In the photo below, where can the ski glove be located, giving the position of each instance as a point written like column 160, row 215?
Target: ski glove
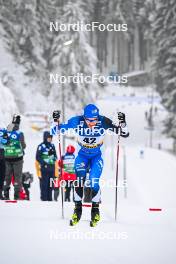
column 121, row 117
column 56, row 115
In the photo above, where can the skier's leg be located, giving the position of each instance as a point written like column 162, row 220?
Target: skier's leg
column 81, row 163
column 87, row 189
column 8, row 176
column 95, row 173
column 17, row 170
column 94, row 176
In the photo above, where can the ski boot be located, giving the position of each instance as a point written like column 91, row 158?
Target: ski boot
column 77, row 213
column 95, row 214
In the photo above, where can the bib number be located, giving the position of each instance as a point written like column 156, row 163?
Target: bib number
column 90, row 140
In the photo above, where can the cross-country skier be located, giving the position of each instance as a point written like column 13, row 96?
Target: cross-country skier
column 90, row 128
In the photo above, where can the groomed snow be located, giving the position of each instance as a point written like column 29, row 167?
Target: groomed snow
column 34, row 232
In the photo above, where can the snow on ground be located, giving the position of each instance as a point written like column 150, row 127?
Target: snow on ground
column 33, row 232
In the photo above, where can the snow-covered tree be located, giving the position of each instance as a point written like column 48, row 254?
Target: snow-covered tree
column 21, row 33
column 78, row 57
column 164, row 32
column 25, row 32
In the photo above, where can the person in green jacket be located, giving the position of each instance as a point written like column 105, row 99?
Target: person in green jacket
column 14, row 153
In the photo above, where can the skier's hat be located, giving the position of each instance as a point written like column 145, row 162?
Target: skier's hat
column 91, row 111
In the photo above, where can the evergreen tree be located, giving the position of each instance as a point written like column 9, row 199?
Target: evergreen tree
column 78, row 57
column 25, row 30
column 164, row 32
column 21, row 33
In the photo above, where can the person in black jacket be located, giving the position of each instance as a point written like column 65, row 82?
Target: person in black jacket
column 46, row 157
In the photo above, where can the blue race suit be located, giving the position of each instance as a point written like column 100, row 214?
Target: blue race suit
column 90, row 141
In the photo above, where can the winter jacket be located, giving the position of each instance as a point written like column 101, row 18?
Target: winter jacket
column 46, row 157
column 67, row 165
column 13, row 143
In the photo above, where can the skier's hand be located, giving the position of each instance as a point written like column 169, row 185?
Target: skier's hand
column 121, row 117
column 56, row 115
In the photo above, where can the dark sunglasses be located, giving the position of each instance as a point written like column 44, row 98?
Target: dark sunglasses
column 91, row 120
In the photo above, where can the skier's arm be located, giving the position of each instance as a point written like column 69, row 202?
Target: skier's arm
column 108, row 124
column 71, row 124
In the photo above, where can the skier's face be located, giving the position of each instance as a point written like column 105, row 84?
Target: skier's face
column 91, row 122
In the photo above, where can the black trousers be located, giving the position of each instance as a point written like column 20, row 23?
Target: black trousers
column 13, row 168
column 45, row 184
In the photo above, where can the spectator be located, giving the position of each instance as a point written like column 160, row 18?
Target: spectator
column 14, row 153
column 46, row 162
column 68, row 171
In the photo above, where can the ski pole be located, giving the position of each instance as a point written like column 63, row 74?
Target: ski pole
column 117, row 169
column 56, row 116
column 124, row 173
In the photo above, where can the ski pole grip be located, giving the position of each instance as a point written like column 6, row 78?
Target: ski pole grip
column 56, row 115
